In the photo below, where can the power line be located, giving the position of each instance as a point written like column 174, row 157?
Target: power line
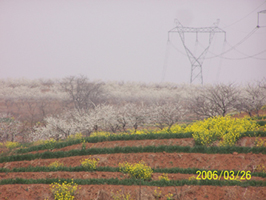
column 240, row 42
column 243, row 58
column 245, row 15
column 247, row 56
column 233, row 47
column 196, row 62
column 177, row 49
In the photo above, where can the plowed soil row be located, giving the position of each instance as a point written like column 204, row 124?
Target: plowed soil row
column 244, row 142
column 94, row 175
column 155, row 160
column 160, row 160
column 126, row 143
column 103, row 192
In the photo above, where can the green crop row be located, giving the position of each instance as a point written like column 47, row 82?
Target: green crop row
column 257, row 118
column 116, row 169
column 154, row 149
column 58, row 145
column 160, row 183
column 253, row 134
column 150, row 136
column 261, row 123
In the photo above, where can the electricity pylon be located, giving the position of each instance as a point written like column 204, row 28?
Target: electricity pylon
column 196, row 61
column 258, row 17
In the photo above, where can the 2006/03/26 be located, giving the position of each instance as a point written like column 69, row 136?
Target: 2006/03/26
column 226, row 174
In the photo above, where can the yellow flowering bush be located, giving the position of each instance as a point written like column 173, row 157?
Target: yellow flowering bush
column 176, row 128
column 260, row 142
column 89, row 164
column 169, row 196
column 124, row 167
column 138, row 170
column 164, row 177
column 260, row 168
column 64, row 191
column 108, row 134
column 192, row 178
column 56, row 164
column 12, row 145
column 157, row 193
column 139, row 132
column 263, row 128
column 50, row 143
column 119, row 196
column 75, row 136
column 227, row 129
column 100, row 134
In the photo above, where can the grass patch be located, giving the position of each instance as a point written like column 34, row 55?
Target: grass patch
column 116, row 169
column 154, row 149
column 160, row 183
column 150, row 136
column 62, row 144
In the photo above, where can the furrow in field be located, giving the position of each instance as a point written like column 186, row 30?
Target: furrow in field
column 244, row 142
column 159, row 160
column 126, row 143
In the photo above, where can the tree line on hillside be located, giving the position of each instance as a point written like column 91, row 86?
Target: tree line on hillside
column 63, row 107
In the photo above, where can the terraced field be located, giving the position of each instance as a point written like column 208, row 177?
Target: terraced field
column 25, row 174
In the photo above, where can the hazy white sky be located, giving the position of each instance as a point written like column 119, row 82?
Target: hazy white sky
column 126, row 40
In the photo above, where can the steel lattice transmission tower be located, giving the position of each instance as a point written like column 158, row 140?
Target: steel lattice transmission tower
column 258, row 17
column 196, row 61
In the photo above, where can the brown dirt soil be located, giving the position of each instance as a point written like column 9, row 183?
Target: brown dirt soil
column 245, row 141
column 159, row 160
column 129, row 143
column 155, row 160
column 103, row 192
column 249, row 141
column 95, row 175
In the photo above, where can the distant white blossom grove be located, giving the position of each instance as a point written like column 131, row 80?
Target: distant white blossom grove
column 76, row 104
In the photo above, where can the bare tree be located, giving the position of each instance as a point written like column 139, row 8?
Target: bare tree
column 9, row 102
column 9, row 127
column 214, row 100
column 137, row 115
column 167, row 114
column 252, row 99
column 201, row 107
column 122, row 116
column 105, row 118
column 82, row 93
